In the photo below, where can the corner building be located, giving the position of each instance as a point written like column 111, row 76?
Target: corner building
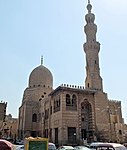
column 71, row 114
column 3, row 106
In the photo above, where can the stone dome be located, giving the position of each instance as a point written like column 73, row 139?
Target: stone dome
column 41, row 76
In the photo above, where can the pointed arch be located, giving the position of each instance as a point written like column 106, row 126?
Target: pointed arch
column 71, row 102
column 86, row 119
column 68, row 100
column 74, row 100
column 34, row 117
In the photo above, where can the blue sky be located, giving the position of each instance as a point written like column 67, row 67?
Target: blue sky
column 54, row 29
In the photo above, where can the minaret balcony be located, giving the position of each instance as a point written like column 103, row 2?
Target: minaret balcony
column 92, row 45
column 90, row 28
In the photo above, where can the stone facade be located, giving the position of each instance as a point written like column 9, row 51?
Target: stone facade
column 3, row 107
column 9, row 128
column 71, row 114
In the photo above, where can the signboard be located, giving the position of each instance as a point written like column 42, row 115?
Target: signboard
column 36, row 143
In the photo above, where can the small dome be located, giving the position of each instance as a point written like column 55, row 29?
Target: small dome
column 41, row 76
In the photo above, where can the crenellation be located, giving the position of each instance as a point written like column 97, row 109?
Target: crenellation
column 116, row 102
column 72, row 86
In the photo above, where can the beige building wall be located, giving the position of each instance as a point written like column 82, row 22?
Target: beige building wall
column 10, row 128
column 3, row 107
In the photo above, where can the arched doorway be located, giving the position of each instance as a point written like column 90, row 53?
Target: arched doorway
column 86, row 121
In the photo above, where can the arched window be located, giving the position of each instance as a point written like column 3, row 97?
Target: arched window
column 34, row 118
column 59, row 101
column 88, row 85
column 68, row 102
column 73, row 100
column 57, row 104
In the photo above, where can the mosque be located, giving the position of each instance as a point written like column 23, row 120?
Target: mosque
column 70, row 114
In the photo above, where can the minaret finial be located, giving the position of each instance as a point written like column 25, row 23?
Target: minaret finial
column 89, row 7
column 41, row 60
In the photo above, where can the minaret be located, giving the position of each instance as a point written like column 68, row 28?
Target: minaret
column 91, row 48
